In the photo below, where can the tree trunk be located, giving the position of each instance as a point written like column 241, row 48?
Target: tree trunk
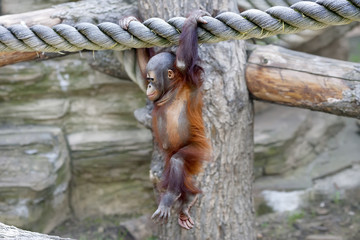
column 225, row 209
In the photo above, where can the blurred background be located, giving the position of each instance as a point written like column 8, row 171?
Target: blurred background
column 74, row 161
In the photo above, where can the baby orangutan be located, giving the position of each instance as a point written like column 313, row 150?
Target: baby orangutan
column 174, row 85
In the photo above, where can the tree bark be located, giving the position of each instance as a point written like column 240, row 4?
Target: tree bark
column 225, row 209
column 282, row 76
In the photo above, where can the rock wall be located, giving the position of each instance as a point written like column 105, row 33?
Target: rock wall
column 288, row 138
column 57, row 110
column 69, row 141
column 34, row 176
column 311, row 155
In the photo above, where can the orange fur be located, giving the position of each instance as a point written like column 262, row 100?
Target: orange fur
column 194, row 150
column 185, row 90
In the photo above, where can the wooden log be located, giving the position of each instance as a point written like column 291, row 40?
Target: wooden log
column 13, row 233
column 69, row 13
column 282, row 76
column 15, row 57
column 42, row 17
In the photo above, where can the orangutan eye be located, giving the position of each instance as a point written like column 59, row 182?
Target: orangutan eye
column 150, row 79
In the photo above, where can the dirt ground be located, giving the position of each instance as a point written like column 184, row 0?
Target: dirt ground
column 333, row 219
column 95, row 228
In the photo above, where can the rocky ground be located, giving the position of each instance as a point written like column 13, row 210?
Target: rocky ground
column 106, row 228
column 326, row 220
column 335, row 219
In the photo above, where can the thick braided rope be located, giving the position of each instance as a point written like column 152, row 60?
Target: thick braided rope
column 265, row 4
column 157, row 32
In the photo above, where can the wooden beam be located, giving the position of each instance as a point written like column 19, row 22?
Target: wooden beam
column 282, row 76
column 15, row 57
column 13, row 233
column 43, row 17
column 72, row 12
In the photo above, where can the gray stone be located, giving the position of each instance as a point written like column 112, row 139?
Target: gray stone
column 271, row 141
column 110, row 151
column 341, row 153
column 130, row 198
column 323, row 237
column 327, row 152
column 45, row 109
column 287, row 138
column 333, row 172
column 110, row 172
column 68, row 94
column 338, row 184
column 313, row 138
column 140, row 228
column 34, row 177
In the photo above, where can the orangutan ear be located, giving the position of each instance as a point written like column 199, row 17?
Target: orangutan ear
column 171, row 74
